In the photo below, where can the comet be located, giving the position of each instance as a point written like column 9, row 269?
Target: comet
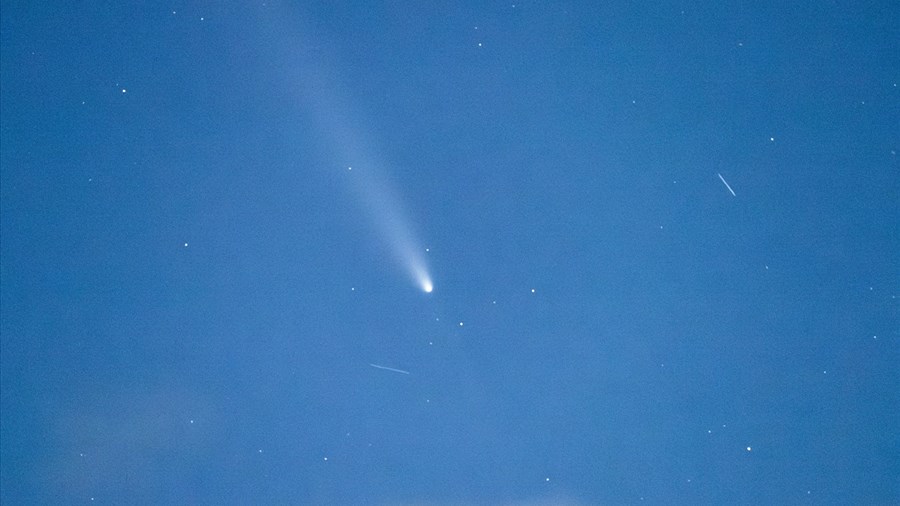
column 368, row 172
column 422, row 278
column 383, row 205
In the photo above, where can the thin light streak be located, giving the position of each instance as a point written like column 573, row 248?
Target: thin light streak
column 401, row 371
column 726, row 185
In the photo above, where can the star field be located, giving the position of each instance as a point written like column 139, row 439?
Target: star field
column 462, row 253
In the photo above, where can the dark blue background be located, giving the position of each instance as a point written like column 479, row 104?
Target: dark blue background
column 192, row 294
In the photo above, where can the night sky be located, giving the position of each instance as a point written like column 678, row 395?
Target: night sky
column 662, row 238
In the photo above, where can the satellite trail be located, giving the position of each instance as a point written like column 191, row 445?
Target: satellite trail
column 389, row 369
column 726, row 185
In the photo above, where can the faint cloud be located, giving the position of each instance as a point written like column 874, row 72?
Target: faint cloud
column 133, row 441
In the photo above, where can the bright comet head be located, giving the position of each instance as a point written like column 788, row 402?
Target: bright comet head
column 421, row 277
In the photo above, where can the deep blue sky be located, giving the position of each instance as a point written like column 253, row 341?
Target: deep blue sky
column 194, row 285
